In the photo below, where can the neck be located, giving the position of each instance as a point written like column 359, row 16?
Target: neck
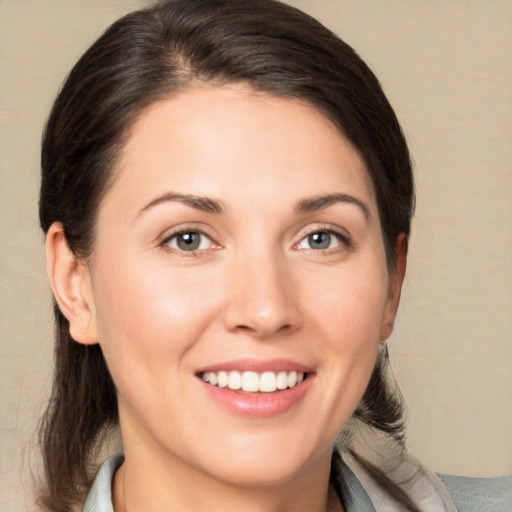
column 154, row 487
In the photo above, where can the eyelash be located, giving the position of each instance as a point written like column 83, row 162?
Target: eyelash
column 166, row 242
column 342, row 238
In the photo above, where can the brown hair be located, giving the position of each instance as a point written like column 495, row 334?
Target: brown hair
column 152, row 54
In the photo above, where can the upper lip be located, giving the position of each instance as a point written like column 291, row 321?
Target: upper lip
column 256, row 365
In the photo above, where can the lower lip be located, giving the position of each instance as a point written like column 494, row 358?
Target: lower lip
column 258, row 405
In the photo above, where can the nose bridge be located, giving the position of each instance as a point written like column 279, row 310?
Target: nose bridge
column 260, row 298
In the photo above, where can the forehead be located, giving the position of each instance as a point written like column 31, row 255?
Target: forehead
column 209, row 137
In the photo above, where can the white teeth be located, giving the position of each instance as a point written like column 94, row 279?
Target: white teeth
column 268, row 382
column 292, row 379
column 252, row 382
column 282, row 380
column 234, row 380
column 222, row 379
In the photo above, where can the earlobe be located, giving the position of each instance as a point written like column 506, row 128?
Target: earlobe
column 396, row 279
column 71, row 284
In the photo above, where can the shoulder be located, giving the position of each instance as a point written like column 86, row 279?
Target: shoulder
column 99, row 498
column 435, row 492
column 480, row 494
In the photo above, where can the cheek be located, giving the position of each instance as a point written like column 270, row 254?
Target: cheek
column 148, row 319
column 350, row 306
column 148, row 324
column 348, row 316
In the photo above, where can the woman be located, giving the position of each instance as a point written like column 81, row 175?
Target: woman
column 226, row 195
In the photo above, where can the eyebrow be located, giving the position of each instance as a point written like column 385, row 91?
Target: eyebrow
column 312, row 204
column 204, row 204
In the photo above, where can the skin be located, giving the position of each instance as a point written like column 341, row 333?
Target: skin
column 256, row 289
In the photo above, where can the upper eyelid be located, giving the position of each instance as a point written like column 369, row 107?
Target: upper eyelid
column 192, row 228
column 184, row 232
column 326, row 228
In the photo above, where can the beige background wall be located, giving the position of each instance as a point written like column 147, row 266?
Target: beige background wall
column 447, row 68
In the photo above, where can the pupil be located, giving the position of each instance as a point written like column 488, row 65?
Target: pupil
column 189, row 241
column 319, row 240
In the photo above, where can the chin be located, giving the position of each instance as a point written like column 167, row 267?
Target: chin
column 266, row 464
column 261, row 473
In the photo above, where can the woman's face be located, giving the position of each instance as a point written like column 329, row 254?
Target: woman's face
column 239, row 245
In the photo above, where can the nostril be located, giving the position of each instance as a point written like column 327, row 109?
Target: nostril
column 263, row 329
column 261, row 303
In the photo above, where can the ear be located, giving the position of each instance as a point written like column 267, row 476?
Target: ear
column 71, row 284
column 396, row 279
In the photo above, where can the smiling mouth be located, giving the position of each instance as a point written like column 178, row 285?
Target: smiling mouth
column 254, row 382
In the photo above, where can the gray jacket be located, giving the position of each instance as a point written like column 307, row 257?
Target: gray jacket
column 468, row 494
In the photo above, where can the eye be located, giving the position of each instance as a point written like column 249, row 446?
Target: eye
column 321, row 241
column 189, row 241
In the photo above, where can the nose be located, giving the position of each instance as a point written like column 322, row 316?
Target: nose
column 261, row 298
